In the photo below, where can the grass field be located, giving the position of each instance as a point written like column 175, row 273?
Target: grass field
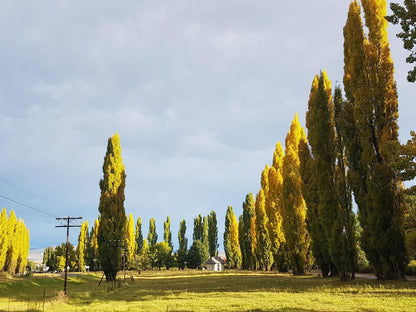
column 205, row 291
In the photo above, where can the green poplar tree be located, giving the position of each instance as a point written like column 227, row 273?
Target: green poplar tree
column 212, row 234
column 246, row 218
column 264, row 248
column 112, row 214
column 167, row 234
column 152, row 235
column 183, row 245
column 139, row 235
column 371, row 91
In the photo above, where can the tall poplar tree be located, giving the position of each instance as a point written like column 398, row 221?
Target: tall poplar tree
column 167, row 234
column 112, row 214
column 12, row 249
column 294, row 207
column 372, row 94
column 82, row 246
column 275, row 208
column 152, row 235
column 183, row 245
column 4, row 238
column 246, row 218
column 227, row 233
column 324, row 184
column 264, row 248
column 130, row 238
column 212, row 234
column 235, row 252
column 198, row 228
column 139, row 235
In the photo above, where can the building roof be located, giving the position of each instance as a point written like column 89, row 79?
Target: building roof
column 214, row 260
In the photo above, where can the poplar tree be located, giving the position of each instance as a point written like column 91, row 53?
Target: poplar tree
column 82, row 246
column 183, row 245
column 212, row 234
column 204, row 239
column 263, row 251
column 372, row 94
column 346, row 220
column 167, row 234
column 152, row 235
column 112, row 214
column 139, row 235
column 93, row 247
column 231, row 243
column 227, row 240
column 245, row 234
column 4, row 238
column 198, row 228
column 12, row 250
column 275, row 208
column 294, row 207
column 130, row 238
column 235, row 252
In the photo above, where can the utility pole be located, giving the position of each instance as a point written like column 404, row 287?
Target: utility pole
column 67, row 225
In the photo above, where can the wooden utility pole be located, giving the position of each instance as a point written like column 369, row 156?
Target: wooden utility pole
column 67, row 225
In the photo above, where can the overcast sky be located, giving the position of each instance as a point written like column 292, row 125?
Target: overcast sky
column 199, row 92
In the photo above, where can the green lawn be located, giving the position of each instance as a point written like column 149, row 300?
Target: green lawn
column 206, row 291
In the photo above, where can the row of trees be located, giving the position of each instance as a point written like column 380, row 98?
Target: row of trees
column 303, row 210
column 14, row 243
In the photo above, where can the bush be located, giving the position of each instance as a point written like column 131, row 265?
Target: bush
column 411, row 268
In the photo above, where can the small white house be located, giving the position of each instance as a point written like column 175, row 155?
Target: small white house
column 215, row 264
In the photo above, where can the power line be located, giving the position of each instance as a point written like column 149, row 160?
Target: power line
column 27, row 206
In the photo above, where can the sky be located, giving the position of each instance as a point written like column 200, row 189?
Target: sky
column 199, row 92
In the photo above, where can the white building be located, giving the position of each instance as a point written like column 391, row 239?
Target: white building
column 215, row 264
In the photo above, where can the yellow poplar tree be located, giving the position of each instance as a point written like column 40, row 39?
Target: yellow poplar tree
column 82, row 245
column 235, row 244
column 12, row 250
column 130, row 238
column 294, row 207
column 4, row 238
column 275, row 207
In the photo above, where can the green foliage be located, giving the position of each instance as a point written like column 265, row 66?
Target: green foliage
column 264, row 249
column 212, row 234
column 372, row 94
column 139, row 235
column 167, row 234
column 130, row 238
column 410, row 226
column 246, row 218
column 197, row 254
column 198, row 228
column 112, row 214
column 161, row 255
column 152, row 235
column 406, row 16
column 183, row 245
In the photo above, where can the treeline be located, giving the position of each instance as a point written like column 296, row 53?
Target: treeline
column 14, row 243
column 303, row 211
column 140, row 252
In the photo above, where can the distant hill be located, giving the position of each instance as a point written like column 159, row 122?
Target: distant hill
column 36, row 255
